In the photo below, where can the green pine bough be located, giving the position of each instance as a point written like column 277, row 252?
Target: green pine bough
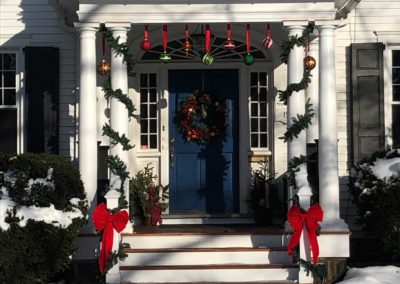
column 300, row 123
column 295, row 87
column 120, row 96
column 287, row 45
column 116, row 137
column 293, row 168
column 120, row 49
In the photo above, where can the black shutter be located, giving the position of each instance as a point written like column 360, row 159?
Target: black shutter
column 368, row 130
column 42, row 99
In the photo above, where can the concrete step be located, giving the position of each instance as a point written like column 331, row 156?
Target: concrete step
column 234, row 273
column 204, row 256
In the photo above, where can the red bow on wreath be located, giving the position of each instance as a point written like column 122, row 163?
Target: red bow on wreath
column 297, row 219
column 104, row 220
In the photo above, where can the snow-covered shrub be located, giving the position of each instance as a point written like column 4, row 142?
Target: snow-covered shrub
column 375, row 186
column 42, row 208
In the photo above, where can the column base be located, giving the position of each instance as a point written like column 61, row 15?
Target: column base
column 334, row 225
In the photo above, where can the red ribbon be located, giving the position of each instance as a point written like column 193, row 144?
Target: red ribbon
column 104, row 220
column 228, row 31
column 298, row 219
column 146, row 32
column 165, row 37
column 186, row 33
column 248, row 38
column 208, row 38
column 103, row 43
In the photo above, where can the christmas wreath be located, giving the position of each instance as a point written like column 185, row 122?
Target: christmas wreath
column 201, row 118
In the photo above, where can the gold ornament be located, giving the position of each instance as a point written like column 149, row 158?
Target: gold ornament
column 187, row 47
column 104, row 68
column 309, row 63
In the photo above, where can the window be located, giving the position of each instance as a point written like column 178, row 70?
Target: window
column 258, row 110
column 396, row 98
column 148, row 111
column 8, row 103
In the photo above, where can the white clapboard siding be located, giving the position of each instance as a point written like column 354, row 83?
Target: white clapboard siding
column 37, row 23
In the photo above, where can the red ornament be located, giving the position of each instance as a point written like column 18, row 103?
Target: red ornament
column 104, row 220
column 229, row 43
column 145, row 44
column 187, row 46
column 297, row 220
column 268, row 42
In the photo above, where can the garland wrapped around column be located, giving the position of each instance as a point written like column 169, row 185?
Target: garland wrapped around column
column 114, row 163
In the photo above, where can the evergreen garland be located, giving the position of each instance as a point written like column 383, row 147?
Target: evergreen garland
column 300, row 123
column 293, row 168
column 120, row 96
column 116, row 138
column 295, row 87
column 287, row 45
column 120, row 49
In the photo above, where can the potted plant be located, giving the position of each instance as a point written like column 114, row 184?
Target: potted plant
column 147, row 199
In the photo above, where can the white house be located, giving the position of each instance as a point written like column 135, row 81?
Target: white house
column 51, row 101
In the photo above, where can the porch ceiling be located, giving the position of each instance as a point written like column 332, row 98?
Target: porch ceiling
column 206, row 11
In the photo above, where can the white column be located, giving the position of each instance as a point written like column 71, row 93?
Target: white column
column 312, row 93
column 328, row 145
column 118, row 113
column 296, row 105
column 87, row 114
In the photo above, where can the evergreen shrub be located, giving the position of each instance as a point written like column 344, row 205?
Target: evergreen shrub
column 377, row 198
column 33, row 249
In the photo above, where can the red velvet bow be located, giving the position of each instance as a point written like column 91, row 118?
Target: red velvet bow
column 297, row 219
column 104, row 220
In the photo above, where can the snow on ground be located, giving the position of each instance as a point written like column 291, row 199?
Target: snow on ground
column 373, row 275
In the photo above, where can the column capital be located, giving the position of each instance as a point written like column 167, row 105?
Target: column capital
column 81, row 27
column 332, row 23
column 118, row 27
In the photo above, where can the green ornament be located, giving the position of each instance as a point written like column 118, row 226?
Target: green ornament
column 165, row 57
column 208, row 59
column 248, row 59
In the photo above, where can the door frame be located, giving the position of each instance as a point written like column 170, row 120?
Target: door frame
column 161, row 155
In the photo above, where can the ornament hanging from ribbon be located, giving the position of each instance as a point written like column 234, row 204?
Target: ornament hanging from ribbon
column 268, row 42
column 248, row 58
column 103, row 68
column 229, row 43
column 208, row 58
column 187, row 46
column 297, row 219
column 309, row 61
column 105, row 221
column 146, row 44
column 165, row 57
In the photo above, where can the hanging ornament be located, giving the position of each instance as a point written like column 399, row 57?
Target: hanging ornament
column 309, row 61
column 208, row 58
column 103, row 68
column 165, row 57
column 248, row 58
column 146, row 44
column 187, row 46
column 229, row 43
column 268, row 42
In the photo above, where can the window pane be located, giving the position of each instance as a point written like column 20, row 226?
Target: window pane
column 254, row 140
column 1, row 97
column 396, row 75
column 254, row 109
column 396, row 93
column 254, row 95
column 143, row 95
column 153, row 95
column 263, row 94
column 263, row 109
column 143, row 111
column 143, row 80
column 144, row 126
column 8, row 62
column 153, row 80
column 144, row 144
column 263, row 125
column 8, row 130
column 254, row 125
column 396, row 126
column 263, row 140
column 153, row 110
column 263, row 79
column 153, row 126
column 9, row 97
column 153, row 141
column 1, row 79
column 9, row 79
column 396, row 58
column 253, row 79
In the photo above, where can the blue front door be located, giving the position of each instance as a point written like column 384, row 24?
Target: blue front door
column 204, row 179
